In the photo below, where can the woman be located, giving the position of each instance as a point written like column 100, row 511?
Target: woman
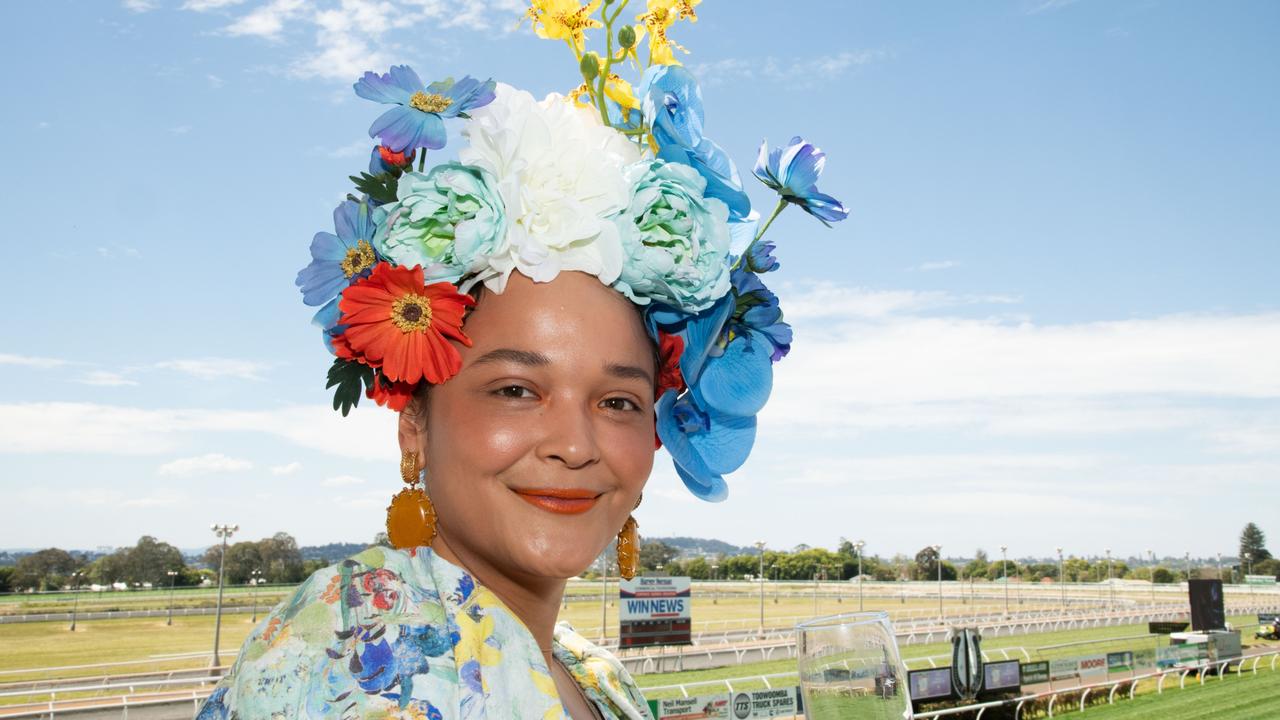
column 536, row 312
column 536, row 453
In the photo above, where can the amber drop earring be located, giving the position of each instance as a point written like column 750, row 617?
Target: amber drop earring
column 411, row 519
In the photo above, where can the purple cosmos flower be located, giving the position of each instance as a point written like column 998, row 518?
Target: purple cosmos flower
column 758, row 315
column 793, row 171
column 417, row 121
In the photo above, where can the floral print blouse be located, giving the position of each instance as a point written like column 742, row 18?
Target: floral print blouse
column 406, row 634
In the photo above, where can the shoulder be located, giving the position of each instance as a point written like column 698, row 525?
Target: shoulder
column 600, row 673
column 357, row 629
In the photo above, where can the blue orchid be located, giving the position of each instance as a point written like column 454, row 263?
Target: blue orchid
column 339, row 260
column 672, row 104
column 418, row 119
column 705, row 444
column 793, row 172
column 700, row 332
column 760, row 257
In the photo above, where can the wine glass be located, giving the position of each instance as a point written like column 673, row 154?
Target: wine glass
column 850, row 668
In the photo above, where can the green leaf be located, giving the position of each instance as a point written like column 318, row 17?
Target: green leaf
column 351, row 378
column 380, row 188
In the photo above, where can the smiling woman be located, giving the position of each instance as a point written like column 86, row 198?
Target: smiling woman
column 543, row 313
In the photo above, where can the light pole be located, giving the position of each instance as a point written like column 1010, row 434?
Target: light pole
column 75, row 598
column 714, row 595
column 1111, row 588
column 1219, row 566
column 858, row 547
column 173, row 578
column 1062, row 579
column 1152, row 554
column 1188, row 569
column 1004, row 570
column 760, row 548
column 937, row 552
column 1248, row 559
column 255, row 577
column 224, row 532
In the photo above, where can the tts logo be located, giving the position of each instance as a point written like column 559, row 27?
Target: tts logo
column 742, row 705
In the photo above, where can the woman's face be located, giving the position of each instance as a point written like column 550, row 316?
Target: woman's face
column 538, row 449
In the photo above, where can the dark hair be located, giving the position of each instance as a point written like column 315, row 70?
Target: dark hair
column 478, row 291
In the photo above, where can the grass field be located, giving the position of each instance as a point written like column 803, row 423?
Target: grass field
column 1249, row 697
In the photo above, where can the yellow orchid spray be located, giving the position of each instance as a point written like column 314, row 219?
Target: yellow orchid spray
column 563, row 20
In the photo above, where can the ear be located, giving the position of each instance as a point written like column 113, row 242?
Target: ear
column 411, row 431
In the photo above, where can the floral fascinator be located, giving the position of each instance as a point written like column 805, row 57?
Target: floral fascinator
column 613, row 179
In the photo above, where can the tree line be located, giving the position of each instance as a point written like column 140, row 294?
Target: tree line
column 149, row 562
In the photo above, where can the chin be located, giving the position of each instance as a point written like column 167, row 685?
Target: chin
column 549, row 553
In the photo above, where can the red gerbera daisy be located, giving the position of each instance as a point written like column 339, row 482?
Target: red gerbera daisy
column 400, row 325
column 392, row 395
column 669, row 376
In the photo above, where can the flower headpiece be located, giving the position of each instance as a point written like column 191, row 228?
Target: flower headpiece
column 617, row 182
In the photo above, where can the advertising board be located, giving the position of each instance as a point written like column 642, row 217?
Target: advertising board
column 1063, row 669
column 655, row 611
column 1001, row 677
column 1182, row 656
column 701, row 707
column 1120, row 662
column 1092, row 666
column 1224, row 646
column 778, row 702
column 931, row 684
column 1259, row 579
column 1035, row 673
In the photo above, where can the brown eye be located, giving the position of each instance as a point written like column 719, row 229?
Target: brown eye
column 621, row 404
column 515, row 392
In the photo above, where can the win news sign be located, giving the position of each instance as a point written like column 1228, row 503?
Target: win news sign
column 655, row 611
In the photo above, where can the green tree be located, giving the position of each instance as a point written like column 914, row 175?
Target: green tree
column 47, row 569
column 697, row 568
column 654, row 553
column 926, row 563
column 6, row 578
column 281, row 559
column 1161, row 575
column 149, row 561
column 978, row 566
column 1253, row 542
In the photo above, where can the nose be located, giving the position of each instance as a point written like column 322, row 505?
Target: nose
column 569, row 435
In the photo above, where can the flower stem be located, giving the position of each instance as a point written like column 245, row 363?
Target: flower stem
column 782, row 204
column 422, row 159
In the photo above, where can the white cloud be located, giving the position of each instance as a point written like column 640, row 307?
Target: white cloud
column 180, row 129
column 267, row 21
column 103, row 378
column 32, row 361
column 801, row 71
column 287, row 469
column 936, row 265
column 206, row 5
column 1049, row 6
column 342, row 481
column 140, row 6
column 215, row 368
column 60, row 427
column 830, row 300
column 215, row 82
column 203, row 465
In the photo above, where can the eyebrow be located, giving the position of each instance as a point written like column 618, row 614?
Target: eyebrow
column 532, row 358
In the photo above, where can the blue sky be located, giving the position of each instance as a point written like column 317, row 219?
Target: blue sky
column 1051, row 318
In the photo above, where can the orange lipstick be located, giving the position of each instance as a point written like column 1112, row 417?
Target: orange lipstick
column 562, row 501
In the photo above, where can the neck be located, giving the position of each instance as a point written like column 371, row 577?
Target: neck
column 535, row 600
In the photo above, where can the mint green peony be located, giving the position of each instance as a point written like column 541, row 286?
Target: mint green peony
column 443, row 221
column 676, row 240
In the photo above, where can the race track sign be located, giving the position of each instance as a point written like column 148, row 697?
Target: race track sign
column 655, row 611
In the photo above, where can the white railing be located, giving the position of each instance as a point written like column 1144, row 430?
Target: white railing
column 1114, row 686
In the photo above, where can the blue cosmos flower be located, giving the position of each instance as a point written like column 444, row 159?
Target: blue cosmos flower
column 326, row 318
column 760, row 257
column 339, row 260
column 375, row 670
column 417, row 121
column 672, row 103
column 758, row 315
column 793, row 172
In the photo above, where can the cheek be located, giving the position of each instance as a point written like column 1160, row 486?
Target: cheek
column 630, row 454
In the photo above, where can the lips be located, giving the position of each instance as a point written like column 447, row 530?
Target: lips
column 562, row 501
